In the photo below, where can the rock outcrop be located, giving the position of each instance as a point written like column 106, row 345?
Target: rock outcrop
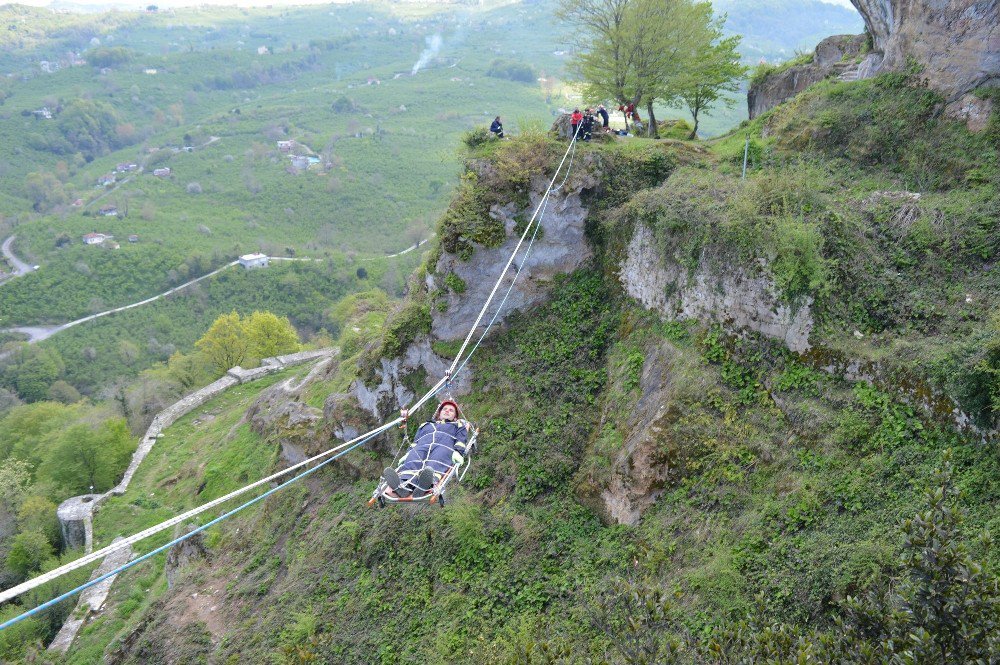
column 653, row 456
column 834, row 56
column 291, row 423
column 184, row 553
column 956, row 44
column 560, row 248
column 733, row 297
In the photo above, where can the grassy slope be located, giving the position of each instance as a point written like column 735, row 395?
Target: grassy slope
column 206, row 454
column 381, row 184
column 786, row 482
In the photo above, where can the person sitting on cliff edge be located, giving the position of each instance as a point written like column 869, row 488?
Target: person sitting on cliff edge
column 439, row 445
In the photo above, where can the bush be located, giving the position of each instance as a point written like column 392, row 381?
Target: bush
column 28, row 552
column 477, row 137
column 798, row 266
column 455, row 283
column 512, row 71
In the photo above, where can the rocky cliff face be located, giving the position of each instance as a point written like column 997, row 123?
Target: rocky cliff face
column 733, row 297
column 955, row 42
column 559, row 248
column 834, row 56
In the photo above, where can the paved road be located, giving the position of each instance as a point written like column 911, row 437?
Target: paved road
column 38, row 333
column 20, row 267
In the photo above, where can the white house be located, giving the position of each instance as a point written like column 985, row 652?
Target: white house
column 162, row 173
column 249, row 261
column 94, row 238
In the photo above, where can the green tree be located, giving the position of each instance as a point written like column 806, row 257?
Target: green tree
column 45, row 190
column 34, row 369
column 38, row 514
column 270, row 335
column 187, row 370
column 26, row 431
column 61, row 391
column 944, row 608
column 714, row 70
column 225, row 344
column 635, row 51
column 84, row 457
column 28, row 552
column 15, row 478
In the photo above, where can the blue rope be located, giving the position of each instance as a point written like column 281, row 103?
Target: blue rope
column 144, row 557
column 82, row 587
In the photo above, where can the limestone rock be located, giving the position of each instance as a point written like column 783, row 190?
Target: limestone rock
column 183, row 553
column 733, row 296
column 957, row 42
column 833, row 57
column 293, row 424
column 652, row 458
column 398, row 377
column 561, row 248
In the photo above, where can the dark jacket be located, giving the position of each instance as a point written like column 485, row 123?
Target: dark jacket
column 604, row 116
column 433, row 446
column 496, row 127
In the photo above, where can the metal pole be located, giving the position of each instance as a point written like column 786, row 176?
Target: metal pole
column 746, row 152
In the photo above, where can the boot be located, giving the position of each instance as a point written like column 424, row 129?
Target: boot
column 425, row 479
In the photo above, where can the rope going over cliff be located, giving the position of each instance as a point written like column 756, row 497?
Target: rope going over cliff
column 332, row 454
column 538, row 208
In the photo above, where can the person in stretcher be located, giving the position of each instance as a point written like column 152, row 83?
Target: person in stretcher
column 438, row 445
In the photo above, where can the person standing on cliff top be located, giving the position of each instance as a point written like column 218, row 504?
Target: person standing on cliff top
column 603, row 112
column 497, row 128
column 587, row 125
column 574, row 122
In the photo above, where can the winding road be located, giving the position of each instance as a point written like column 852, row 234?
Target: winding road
column 20, row 267
column 38, row 333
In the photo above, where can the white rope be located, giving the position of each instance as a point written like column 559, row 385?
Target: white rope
column 517, row 248
column 13, row 592
column 35, row 582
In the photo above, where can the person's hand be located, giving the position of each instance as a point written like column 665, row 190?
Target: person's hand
column 456, row 458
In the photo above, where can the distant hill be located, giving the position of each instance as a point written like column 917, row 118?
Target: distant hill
column 776, row 29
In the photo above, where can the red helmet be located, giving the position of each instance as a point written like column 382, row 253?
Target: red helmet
column 437, row 414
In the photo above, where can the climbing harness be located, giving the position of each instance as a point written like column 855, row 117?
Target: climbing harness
column 330, row 455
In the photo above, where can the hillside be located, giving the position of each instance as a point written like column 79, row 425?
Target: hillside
column 704, row 419
column 208, row 94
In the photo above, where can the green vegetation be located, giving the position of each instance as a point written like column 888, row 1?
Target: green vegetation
column 232, row 340
column 228, row 454
column 796, row 488
column 646, row 51
column 48, row 452
column 646, row 490
column 118, row 347
column 767, row 69
column 513, row 71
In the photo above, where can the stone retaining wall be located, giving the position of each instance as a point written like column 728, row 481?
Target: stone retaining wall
column 79, row 510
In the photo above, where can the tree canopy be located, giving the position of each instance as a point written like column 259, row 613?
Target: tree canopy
column 647, row 51
column 232, row 340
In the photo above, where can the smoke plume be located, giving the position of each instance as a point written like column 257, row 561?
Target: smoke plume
column 433, row 46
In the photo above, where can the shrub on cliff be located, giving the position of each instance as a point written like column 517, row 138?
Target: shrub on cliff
column 891, row 123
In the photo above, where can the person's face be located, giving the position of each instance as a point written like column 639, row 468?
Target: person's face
column 448, row 412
